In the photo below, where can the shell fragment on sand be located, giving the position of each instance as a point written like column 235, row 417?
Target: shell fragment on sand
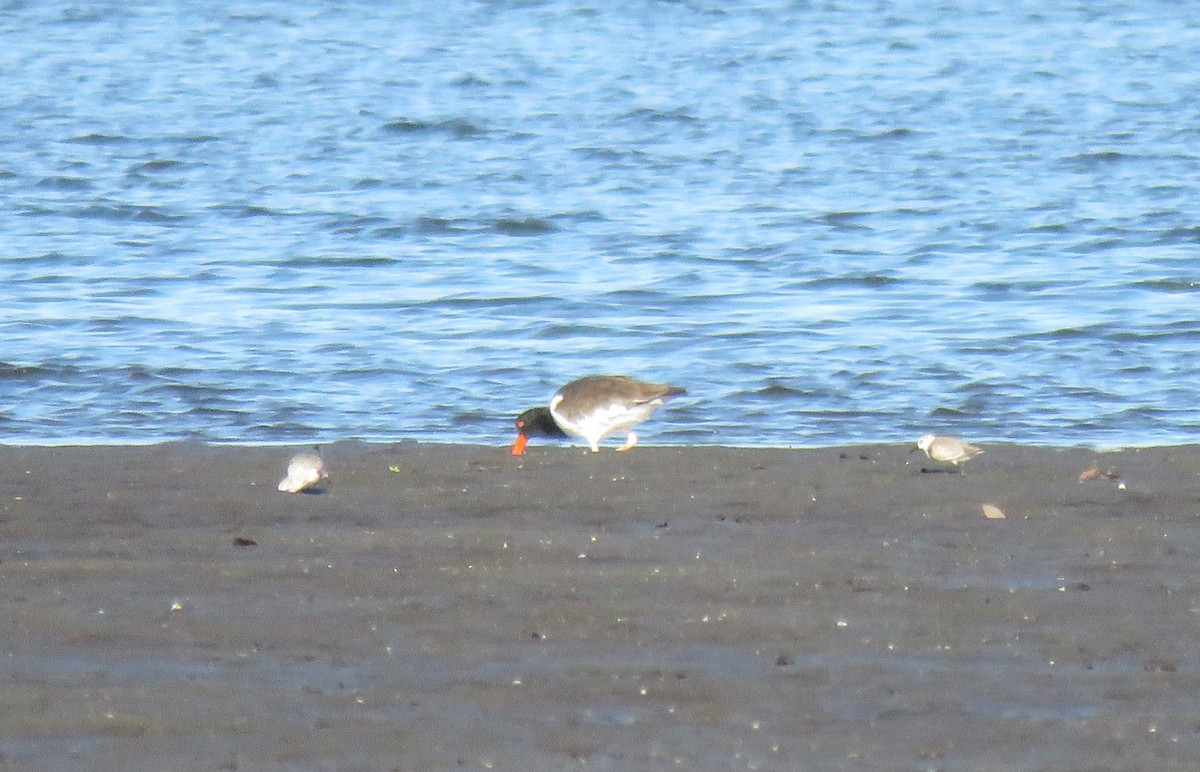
column 992, row 512
column 1094, row 472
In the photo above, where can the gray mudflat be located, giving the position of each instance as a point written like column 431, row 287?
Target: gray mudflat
column 665, row 608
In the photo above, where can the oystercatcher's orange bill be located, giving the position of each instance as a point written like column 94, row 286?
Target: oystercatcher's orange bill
column 518, row 448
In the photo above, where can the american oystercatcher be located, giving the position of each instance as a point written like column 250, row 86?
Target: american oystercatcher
column 593, row 408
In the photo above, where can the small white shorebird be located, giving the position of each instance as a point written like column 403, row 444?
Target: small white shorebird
column 304, row 471
column 949, row 450
column 592, row 408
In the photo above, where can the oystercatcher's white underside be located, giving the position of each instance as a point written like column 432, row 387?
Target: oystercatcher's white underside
column 604, row 419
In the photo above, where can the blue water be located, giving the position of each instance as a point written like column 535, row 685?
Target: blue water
column 831, row 221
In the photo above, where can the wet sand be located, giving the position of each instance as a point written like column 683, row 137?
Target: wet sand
column 440, row 607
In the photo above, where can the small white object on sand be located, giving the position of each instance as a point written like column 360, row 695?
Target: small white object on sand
column 304, row 471
column 993, row 512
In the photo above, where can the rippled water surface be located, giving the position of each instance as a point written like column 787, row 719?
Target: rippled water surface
column 832, row 222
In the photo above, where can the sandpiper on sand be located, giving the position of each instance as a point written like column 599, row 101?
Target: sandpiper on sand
column 950, row 450
column 304, row 471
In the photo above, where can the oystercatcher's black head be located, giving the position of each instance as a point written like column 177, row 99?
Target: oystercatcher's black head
column 535, row 422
